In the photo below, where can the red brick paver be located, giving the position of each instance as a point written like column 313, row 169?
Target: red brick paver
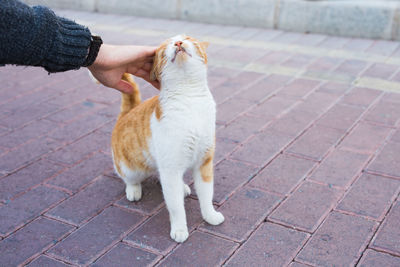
column 387, row 237
column 307, row 164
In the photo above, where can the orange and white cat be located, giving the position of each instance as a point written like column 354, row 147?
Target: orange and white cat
column 171, row 133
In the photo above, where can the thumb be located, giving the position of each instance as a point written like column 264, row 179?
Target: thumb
column 124, row 87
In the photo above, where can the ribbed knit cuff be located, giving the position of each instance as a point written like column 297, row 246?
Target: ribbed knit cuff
column 70, row 47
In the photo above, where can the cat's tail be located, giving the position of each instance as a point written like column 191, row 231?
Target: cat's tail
column 129, row 101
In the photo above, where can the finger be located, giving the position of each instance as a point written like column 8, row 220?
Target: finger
column 149, row 51
column 147, row 67
column 142, row 73
column 145, row 75
column 156, row 84
column 124, row 87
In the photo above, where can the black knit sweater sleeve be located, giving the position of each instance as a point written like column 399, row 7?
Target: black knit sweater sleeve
column 35, row 36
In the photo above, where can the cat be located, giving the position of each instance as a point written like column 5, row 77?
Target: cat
column 171, row 132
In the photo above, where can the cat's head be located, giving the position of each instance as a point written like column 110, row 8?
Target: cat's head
column 181, row 51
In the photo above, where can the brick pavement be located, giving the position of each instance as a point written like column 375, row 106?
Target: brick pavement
column 307, row 164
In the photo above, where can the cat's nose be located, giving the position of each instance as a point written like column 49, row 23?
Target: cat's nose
column 178, row 44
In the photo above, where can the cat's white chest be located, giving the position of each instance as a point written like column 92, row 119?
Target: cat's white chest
column 186, row 130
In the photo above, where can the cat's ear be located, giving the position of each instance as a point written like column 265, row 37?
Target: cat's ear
column 204, row 45
column 154, row 70
column 158, row 63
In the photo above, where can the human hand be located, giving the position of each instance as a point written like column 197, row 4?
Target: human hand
column 115, row 60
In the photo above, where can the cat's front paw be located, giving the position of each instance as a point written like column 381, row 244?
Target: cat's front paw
column 214, row 218
column 179, row 235
column 133, row 192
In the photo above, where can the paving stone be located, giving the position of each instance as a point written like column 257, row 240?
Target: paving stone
column 265, row 87
column 370, row 196
column 362, row 97
column 242, row 128
column 231, row 86
column 82, row 148
column 26, row 133
column 365, row 138
column 333, row 88
column 262, row 148
column 26, row 154
column 39, row 92
column 4, row 130
column 297, row 264
column 306, row 207
column 88, row 242
column 232, row 108
column 316, row 142
column 266, row 35
column 287, row 37
column 339, row 241
column 107, row 96
column 334, row 42
column 396, row 136
column 340, row 168
column 298, row 61
column 381, row 70
column 299, row 87
column 272, row 107
column 27, row 207
column 317, row 102
column 24, row 179
column 151, row 201
column 22, row 117
column 358, row 44
column 396, row 77
column 325, row 64
column 341, row 117
column 43, row 261
column 35, row 238
column 271, row 243
column 294, row 122
column 79, row 128
column 72, row 112
column 385, row 112
column 154, row 234
column 84, row 172
column 223, row 148
column 238, row 54
column 283, row 174
column 126, row 255
column 310, row 39
column 373, row 258
column 390, row 97
column 383, row 47
column 387, row 160
column 388, row 236
column 352, row 67
column 190, row 252
column 228, row 176
column 274, row 58
column 253, row 204
column 91, row 201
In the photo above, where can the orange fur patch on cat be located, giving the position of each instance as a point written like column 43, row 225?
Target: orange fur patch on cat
column 200, row 47
column 159, row 62
column 206, row 169
column 130, row 134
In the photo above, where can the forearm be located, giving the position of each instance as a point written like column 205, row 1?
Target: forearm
column 37, row 37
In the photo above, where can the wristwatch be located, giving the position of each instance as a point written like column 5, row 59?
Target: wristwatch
column 94, row 48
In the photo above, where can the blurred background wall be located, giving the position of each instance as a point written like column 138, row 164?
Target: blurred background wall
column 378, row 19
